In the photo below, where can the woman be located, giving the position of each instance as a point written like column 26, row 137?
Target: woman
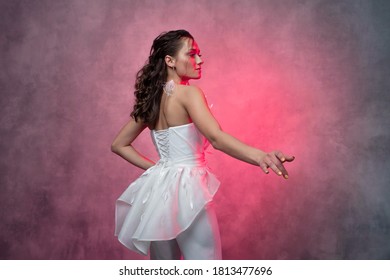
column 168, row 209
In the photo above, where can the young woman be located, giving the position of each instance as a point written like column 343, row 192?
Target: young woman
column 168, row 209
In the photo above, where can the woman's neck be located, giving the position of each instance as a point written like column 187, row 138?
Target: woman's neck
column 178, row 80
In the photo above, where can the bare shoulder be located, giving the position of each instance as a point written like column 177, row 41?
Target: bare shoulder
column 194, row 90
column 191, row 94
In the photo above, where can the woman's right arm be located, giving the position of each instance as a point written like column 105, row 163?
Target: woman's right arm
column 196, row 106
column 122, row 145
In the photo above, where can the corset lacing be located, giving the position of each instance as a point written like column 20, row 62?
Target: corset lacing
column 162, row 141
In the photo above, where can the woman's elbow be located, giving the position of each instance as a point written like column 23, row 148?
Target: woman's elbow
column 217, row 146
column 215, row 143
column 215, row 140
column 114, row 148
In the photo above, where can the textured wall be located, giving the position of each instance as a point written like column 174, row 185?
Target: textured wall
column 307, row 77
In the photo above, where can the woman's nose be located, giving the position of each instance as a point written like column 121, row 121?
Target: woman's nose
column 198, row 60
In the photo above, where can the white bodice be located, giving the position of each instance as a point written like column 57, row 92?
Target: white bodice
column 182, row 144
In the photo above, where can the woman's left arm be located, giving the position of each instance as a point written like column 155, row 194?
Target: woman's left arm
column 122, row 145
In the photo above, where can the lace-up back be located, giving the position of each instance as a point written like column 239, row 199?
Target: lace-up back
column 161, row 142
column 180, row 144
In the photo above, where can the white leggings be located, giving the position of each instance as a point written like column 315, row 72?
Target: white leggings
column 201, row 241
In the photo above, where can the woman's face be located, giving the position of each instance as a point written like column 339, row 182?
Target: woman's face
column 188, row 61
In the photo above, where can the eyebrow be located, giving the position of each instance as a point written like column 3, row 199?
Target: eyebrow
column 192, row 49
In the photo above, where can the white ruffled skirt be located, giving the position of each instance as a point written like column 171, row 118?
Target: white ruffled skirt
column 162, row 203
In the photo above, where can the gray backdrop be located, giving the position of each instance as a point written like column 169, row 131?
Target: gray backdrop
column 309, row 77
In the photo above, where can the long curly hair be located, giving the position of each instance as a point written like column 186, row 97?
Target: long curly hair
column 151, row 78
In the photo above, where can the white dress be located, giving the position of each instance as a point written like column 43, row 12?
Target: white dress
column 166, row 198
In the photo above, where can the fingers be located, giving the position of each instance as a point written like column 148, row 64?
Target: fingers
column 264, row 167
column 276, row 164
column 284, row 157
column 289, row 158
column 271, row 161
column 274, row 160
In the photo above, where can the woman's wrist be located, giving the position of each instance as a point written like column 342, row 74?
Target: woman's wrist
column 258, row 156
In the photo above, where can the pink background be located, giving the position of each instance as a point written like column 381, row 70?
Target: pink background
column 307, row 77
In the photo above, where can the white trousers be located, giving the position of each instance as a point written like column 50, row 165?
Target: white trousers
column 201, row 241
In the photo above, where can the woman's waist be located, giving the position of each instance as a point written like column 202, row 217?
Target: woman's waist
column 193, row 160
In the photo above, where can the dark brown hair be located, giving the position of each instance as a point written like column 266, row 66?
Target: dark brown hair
column 151, row 79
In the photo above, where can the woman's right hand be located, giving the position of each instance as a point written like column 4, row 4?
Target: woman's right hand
column 122, row 144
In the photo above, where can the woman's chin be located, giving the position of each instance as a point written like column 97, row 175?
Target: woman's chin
column 195, row 77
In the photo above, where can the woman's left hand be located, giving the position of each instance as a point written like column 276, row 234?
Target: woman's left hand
column 275, row 160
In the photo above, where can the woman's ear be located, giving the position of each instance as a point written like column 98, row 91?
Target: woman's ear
column 170, row 61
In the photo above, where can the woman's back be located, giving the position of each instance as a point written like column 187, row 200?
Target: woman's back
column 172, row 111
